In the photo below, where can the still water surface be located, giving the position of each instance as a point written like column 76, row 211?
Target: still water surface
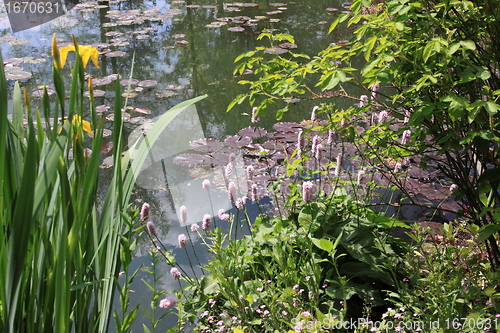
column 174, row 47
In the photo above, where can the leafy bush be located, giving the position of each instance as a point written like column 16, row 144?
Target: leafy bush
column 439, row 64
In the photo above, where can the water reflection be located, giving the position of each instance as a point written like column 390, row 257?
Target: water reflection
column 202, row 66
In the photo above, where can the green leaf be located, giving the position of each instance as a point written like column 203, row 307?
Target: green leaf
column 468, row 44
column 428, row 50
column 491, row 107
column 369, row 44
column 323, row 243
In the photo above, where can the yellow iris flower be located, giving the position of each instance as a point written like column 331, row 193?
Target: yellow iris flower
column 85, row 124
column 86, row 52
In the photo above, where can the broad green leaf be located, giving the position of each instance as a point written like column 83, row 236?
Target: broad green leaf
column 468, row 44
column 491, row 107
column 323, row 243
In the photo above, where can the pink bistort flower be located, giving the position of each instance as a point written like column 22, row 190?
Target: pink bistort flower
column 182, row 241
column 144, row 215
column 168, row 302
column 151, row 228
column 175, row 273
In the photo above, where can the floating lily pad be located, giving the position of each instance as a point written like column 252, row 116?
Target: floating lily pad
column 275, row 50
column 100, row 45
column 181, row 42
column 115, row 54
column 130, row 94
column 147, row 83
column 97, row 93
column 237, row 141
column 7, row 39
column 188, row 159
column 17, row 75
column 192, row 6
column 138, row 120
column 106, row 132
column 287, row 127
column 288, row 46
column 39, row 93
column 274, row 12
column 19, row 42
column 13, row 61
column 125, row 116
column 106, row 147
column 253, row 132
column 101, row 82
column 165, row 93
column 102, row 108
column 142, row 110
column 126, row 82
column 216, row 24
column 277, row 4
column 236, row 29
column 209, row 6
column 142, row 37
column 206, row 144
column 217, row 158
column 331, row 9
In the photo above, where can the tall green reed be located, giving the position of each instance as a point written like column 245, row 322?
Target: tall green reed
column 59, row 254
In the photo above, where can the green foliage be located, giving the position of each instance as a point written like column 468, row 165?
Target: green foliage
column 62, row 248
column 327, row 259
column 437, row 63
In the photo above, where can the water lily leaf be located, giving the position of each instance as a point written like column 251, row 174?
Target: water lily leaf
column 206, row 144
column 188, row 159
column 126, row 82
column 17, row 75
column 147, row 83
column 106, row 147
column 236, row 29
column 275, row 50
column 18, row 42
column 253, row 132
column 287, row 127
column 142, row 110
column 237, row 141
column 115, row 54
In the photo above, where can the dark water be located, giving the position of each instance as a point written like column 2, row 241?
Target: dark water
column 203, row 65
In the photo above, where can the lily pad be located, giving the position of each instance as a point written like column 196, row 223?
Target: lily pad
column 17, row 75
column 237, row 141
column 287, row 127
column 13, row 61
column 275, row 50
column 126, row 82
column 101, row 82
column 253, row 132
column 188, row 159
column 206, row 144
column 142, row 110
column 115, row 54
column 39, row 93
column 130, row 94
column 236, row 29
column 288, row 46
column 19, row 42
column 147, row 83
column 97, row 93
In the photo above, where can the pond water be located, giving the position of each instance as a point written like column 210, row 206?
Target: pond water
column 188, row 49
